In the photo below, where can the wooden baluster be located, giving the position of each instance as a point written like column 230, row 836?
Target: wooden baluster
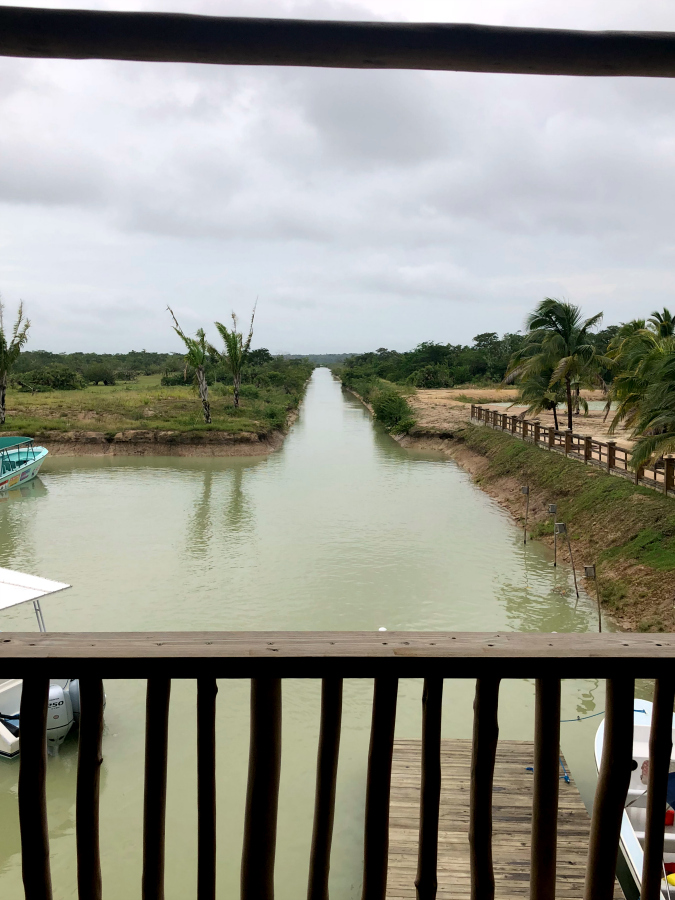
column 154, row 801
column 483, row 753
column 426, row 882
column 326, row 779
column 378, row 788
column 545, row 794
column 610, row 793
column 207, row 689
column 37, row 880
column 660, row 748
column 89, row 761
column 262, row 794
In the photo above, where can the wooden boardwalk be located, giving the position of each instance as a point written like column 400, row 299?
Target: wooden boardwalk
column 512, row 817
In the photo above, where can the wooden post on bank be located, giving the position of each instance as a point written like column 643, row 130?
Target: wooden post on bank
column 611, row 455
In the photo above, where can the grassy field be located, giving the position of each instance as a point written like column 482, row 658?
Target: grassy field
column 628, row 531
column 144, row 404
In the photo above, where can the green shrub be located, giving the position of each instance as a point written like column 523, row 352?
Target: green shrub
column 99, row 372
column 393, row 410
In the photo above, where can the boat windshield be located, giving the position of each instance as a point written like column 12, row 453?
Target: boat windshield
column 15, row 452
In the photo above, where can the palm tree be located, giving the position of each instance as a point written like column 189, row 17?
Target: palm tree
column 559, row 340
column 236, row 349
column 662, row 323
column 653, row 417
column 10, row 350
column 535, row 391
column 199, row 353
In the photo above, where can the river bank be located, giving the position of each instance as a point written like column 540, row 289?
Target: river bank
column 627, row 532
column 145, row 418
column 160, row 443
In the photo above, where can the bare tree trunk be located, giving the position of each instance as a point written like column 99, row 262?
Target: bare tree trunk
column 555, row 417
column 237, row 384
column 577, row 394
column 568, row 391
column 3, row 395
column 204, row 393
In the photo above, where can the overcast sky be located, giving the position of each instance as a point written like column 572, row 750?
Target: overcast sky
column 363, row 208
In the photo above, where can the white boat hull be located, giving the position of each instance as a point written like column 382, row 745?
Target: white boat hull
column 633, row 821
column 26, row 465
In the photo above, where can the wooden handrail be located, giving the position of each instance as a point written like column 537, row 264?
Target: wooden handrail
column 36, row 870
column 89, row 760
column 207, row 691
column 426, row 882
column 490, row 657
column 262, row 796
column 616, row 460
column 154, row 801
column 171, row 37
column 485, row 736
column 326, row 782
column 378, row 788
column 309, row 654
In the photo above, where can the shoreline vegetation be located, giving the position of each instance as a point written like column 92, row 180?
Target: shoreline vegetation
column 159, row 414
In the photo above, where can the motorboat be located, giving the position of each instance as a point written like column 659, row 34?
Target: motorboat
column 20, row 460
column 633, row 822
column 64, row 693
column 63, row 713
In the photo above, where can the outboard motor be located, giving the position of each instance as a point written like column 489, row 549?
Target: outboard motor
column 73, row 688
column 59, row 717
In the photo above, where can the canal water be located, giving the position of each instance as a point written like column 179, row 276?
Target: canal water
column 341, row 529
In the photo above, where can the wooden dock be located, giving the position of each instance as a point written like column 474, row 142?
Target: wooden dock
column 512, row 817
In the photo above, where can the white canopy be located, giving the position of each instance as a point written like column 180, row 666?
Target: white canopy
column 15, row 587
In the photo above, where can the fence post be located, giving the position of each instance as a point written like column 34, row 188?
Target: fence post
column 473, row 411
column 514, row 424
column 668, row 464
column 611, row 455
column 505, row 421
column 537, row 431
column 568, row 441
column 525, row 427
column 551, row 437
column 588, row 447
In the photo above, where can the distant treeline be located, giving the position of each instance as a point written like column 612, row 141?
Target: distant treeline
column 432, row 365
column 41, row 370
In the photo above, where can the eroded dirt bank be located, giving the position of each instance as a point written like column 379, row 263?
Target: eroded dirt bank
column 159, row 443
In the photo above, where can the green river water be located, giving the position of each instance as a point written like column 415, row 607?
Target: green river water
column 341, row 529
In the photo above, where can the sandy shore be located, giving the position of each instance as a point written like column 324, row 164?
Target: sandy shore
column 440, row 410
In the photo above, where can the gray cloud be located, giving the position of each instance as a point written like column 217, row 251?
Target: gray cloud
column 364, row 208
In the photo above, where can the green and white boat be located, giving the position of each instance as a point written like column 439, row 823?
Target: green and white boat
column 20, row 460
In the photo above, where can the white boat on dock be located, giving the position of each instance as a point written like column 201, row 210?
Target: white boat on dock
column 633, row 822
column 64, row 693
column 20, row 460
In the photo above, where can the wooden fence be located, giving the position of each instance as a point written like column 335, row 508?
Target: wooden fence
column 605, row 454
column 269, row 658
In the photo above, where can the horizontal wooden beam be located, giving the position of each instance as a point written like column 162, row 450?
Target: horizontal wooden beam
column 171, row 37
column 337, row 654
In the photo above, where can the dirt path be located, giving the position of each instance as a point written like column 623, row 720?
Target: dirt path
column 443, row 409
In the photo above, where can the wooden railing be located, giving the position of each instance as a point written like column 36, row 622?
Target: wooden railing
column 606, row 454
column 267, row 659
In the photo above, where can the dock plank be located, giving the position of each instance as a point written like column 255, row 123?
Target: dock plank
column 512, row 820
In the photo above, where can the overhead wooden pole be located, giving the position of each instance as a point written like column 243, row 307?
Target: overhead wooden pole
column 173, row 37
